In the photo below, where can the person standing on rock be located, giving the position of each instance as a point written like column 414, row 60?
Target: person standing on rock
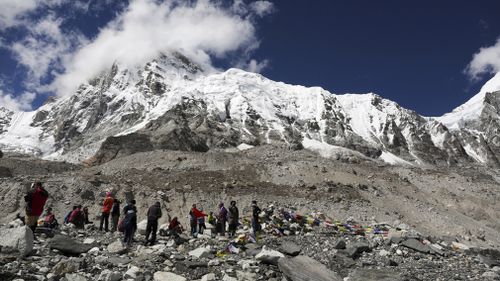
column 255, row 218
column 194, row 214
column 106, row 210
column 222, row 219
column 201, row 223
column 115, row 215
column 129, row 227
column 154, row 213
column 35, row 202
column 234, row 218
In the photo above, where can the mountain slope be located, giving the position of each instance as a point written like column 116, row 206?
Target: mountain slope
column 171, row 103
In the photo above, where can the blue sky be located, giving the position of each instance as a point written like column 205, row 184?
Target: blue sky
column 417, row 53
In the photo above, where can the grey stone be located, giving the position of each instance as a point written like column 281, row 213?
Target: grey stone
column 117, row 247
column 289, row 248
column 68, row 246
column 416, row 245
column 16, row 240
column 304, row 268
column 356, row 249
column 339, row 244
column 364, row 274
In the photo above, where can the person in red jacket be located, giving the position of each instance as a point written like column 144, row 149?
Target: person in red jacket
column 194, row 214
column 106, row 209
column 35, row 203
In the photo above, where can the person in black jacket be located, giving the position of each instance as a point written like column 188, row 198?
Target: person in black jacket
column 129, row 227
column 154, row 213
column 115, row 215
column 255, row 218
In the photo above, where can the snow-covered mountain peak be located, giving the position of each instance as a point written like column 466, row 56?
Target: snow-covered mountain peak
column 173, row 103
column 470, row 111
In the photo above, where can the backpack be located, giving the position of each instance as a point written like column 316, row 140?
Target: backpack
column 66, row 218
column 121, row 227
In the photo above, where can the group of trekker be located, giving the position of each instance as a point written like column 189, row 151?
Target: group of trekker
column 79, row 217
column 225, row 217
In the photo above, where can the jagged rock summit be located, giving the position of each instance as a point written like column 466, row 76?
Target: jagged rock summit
column 173, row 103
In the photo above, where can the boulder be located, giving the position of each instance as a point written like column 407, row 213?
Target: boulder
column 290, row 248
column 167, row 276
column 141, row 227
column 133, row 273
column 357, row 248
column 68, row 246
column 5, row 172
column 269, row 256
column 489, row 257
column 201, row 252
column 16, row 240
column 339, row 244
column 304, row 268
column 416, row 245
column 208, row 277
column 75, row 277
column 363, row 274
column 108, row 275
column 65, row 267
column 117, row 247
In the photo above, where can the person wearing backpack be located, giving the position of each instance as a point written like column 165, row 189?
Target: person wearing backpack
column 222, row 219
column 255, row 218
column 115, row 215
column 154, row 213
column 77, row 218
column 129, row 227
column 35, row 202
column 106, row 209
column 66, row 218
column 234, row 217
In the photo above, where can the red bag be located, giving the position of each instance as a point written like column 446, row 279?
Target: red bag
column 121, row 227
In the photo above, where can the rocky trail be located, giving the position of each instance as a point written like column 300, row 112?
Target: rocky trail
column 313, row 248
column 376, row 222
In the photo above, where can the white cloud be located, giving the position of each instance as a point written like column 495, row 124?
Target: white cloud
column 18, row 103
column 199, row 29
column 12, row 10
column 486, row 61
column 42, row 49
column 253, row 65
column 262, row 8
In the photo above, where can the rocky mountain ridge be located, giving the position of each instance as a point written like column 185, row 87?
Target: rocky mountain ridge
column 172, row 103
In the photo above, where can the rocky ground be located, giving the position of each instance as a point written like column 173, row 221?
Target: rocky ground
column 442, row 223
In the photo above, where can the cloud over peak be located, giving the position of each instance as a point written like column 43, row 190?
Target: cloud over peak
column 199, row 29
column 58, row 57
column 485, row 61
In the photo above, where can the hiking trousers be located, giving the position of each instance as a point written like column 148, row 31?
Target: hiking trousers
column 114, row 222
column 105, row 222
column 151, row 228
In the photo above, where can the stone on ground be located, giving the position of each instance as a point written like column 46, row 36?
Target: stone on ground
column 167, row 276
column 201, row 252
column 16, row 240
column 304, row 268
column 141, row 227
column 269, row 256
column 416, row 245
column 117, row 247
column 68, row 246
column 290, row 248
column 363, row 274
